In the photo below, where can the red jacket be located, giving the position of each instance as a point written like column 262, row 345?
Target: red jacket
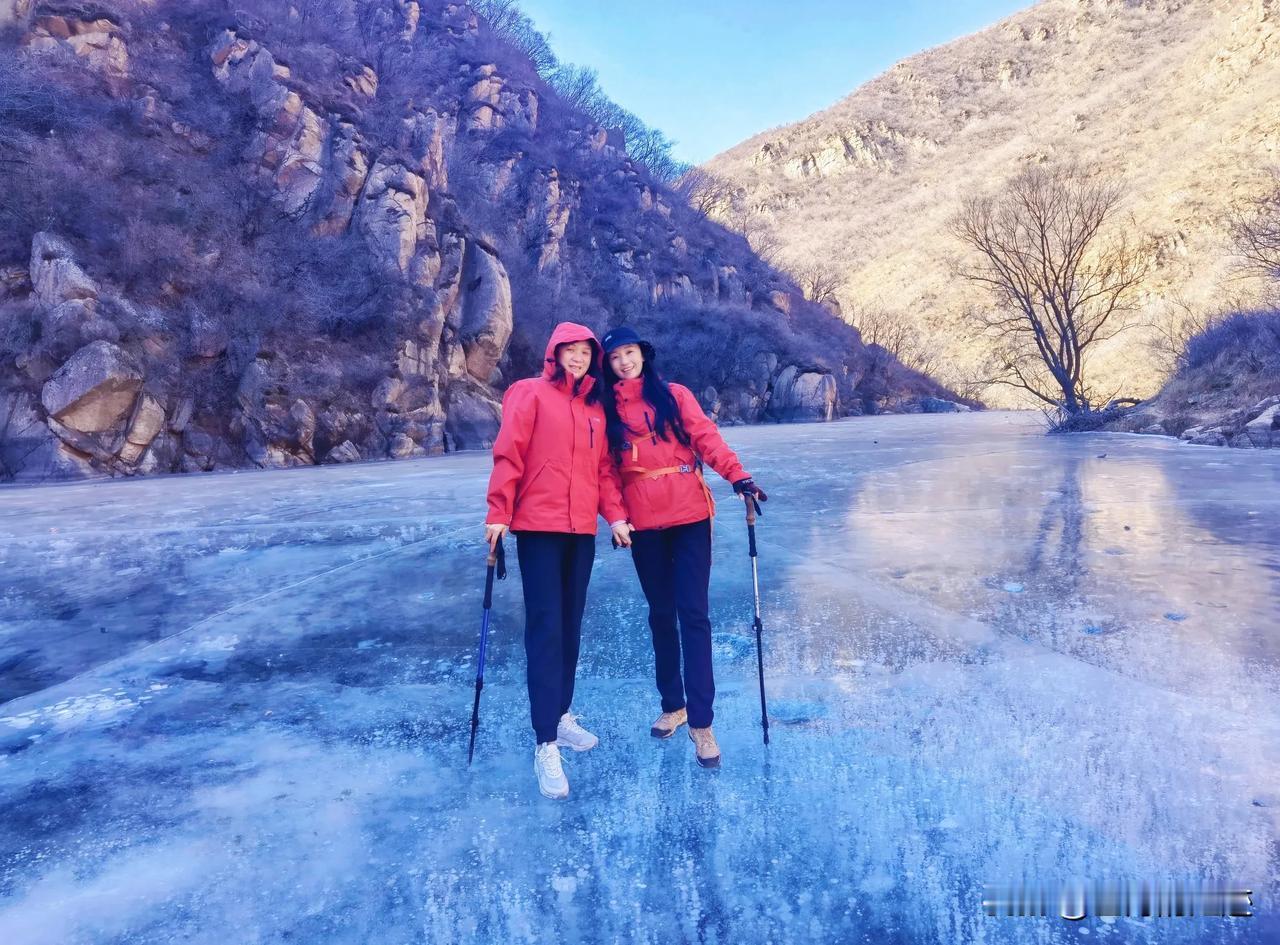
column 552, row 471
column 658, row 499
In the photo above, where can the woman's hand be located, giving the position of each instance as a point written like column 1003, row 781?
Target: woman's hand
column 622, row 535
column 748, row 486
column 493, row 534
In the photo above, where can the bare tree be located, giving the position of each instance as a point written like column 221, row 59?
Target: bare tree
column 753, row 227
column 704, row 191
column 1059, row 282
column 1256, row 231
column 893, row 334
column 820, row 282
column 507, row 20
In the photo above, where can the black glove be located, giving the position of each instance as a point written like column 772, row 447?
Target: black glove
column 749, row 486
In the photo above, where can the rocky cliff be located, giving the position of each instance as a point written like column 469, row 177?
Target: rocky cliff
column 1175, row 101
column 274, row 234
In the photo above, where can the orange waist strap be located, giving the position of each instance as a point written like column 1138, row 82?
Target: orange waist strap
column 636, row 473
column 632, row 474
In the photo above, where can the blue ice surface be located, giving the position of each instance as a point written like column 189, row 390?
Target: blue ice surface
column 234, row 708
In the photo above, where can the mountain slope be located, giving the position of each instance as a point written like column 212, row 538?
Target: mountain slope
column 273, row 233
column 1177, row 100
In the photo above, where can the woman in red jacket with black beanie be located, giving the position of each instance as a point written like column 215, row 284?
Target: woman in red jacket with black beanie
column 660, row 438
column 552, row 474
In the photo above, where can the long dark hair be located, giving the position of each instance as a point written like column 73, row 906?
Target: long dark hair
column 665, row 421
column 559, row 374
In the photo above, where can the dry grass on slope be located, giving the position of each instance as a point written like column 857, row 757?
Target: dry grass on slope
column 1175, row 101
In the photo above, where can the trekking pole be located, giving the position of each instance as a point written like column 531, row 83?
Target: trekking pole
column 497, row 560
column 753, row 509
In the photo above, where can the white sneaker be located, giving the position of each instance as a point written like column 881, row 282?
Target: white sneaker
column 572, row 735
column 546, row 765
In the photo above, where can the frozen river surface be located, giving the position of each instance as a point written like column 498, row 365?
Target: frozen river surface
column 233, row 708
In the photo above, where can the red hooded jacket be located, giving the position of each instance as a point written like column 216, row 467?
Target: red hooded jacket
column 662, row 485
column 552, row 471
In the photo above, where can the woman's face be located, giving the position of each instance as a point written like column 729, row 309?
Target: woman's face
column 575, row 358
column 627, row 361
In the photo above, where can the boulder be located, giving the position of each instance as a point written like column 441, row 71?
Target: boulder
column 402, row 447
column 94, row 40
column 1263, row 430
column 147, row 421
column 364, row 82
column 386, row 396
column 203, row 451
column 473, row 416
column 426, row 426
column 94, row 390
column 304, row 425
column 1204, row 436
column 938, row 405
column 29, row 451
column 486, row 310
column 808, row 395
column 182, row 416
column 55, row 276
column 344, row 452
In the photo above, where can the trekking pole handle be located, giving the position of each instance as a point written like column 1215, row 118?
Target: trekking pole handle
column 496, row 560
column 752, row 510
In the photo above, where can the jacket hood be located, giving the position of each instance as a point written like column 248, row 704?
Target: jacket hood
column 567, row 332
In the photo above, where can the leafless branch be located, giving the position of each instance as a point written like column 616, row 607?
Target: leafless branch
column 1058, row 284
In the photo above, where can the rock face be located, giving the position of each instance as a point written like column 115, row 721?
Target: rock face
column 486, row 311
column 97, row 41
column 294, row 243
column 1263, row 431
column 393, row 215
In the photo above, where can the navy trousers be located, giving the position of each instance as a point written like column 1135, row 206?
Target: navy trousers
column 554, row 569
column 674, row 565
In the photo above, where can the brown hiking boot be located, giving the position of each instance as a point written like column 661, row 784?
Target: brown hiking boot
column 667, row 723
column 705, row 748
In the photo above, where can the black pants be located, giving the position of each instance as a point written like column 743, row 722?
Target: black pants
column 674, row 565
column 554, row 569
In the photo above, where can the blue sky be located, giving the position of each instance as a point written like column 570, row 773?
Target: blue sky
column 710, row 73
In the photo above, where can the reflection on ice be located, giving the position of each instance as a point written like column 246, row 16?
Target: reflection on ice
column 234, row 708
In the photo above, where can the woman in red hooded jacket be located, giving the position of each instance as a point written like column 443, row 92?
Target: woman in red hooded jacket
column 660, row 438
column 552, row 475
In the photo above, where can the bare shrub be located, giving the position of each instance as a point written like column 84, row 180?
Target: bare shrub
column 1249, row 338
